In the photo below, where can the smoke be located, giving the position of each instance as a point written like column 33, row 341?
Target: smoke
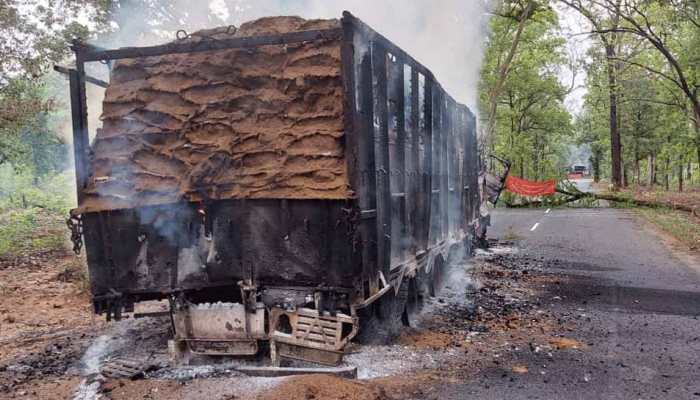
column 447, row 36
column 579, row 155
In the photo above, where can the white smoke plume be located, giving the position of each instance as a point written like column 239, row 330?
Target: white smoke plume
column 447, row 36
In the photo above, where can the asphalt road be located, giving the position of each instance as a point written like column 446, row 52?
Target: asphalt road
column 639, row 301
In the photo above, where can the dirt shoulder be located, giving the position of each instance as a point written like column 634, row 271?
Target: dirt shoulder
column 46, row 322
column 690, row 197
column 460, row 336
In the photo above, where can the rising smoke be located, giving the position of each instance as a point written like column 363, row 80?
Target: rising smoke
column 446, row 35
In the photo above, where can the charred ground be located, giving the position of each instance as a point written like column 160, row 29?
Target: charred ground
column 528, row 318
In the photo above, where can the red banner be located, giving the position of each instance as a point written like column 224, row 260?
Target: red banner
column 524, row 187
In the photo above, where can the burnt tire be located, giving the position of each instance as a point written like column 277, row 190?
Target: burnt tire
column 382, row 321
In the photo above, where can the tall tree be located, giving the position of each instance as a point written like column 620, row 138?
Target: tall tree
column 605, row 24
column 531, row 124
column 672, row 28
column 520, row 13
column 35, row 34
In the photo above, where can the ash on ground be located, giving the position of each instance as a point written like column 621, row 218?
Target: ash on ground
column 488, row 310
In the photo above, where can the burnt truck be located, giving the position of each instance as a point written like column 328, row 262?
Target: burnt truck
column 287, row 182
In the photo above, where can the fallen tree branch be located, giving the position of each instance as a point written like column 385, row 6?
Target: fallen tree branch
column 575, row 195
column 648, row 203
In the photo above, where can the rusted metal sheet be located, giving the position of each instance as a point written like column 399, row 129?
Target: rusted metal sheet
column 220, row 321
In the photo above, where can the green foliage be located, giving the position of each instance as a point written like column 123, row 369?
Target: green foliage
column 533, row 126
column 657, row 69
column 37, row 34
column 30, row 230
column 23, row 190
column 675, row 223
column 33, row 211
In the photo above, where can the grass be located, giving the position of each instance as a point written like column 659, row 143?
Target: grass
column 31, row 230
column 33, row 211
column 679, row 224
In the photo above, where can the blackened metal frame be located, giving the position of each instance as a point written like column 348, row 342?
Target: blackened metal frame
column 366, row 84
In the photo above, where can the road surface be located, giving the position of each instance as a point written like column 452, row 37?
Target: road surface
column 637, row 300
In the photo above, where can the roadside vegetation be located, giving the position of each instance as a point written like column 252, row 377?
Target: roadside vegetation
column 637, row 127
column 639, row 122
column 32, row 213
column 680, row 225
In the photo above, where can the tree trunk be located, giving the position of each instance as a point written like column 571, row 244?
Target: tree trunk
column 680, row 176
column 595, row 164
column 615, row 142
column 650, row 170
column 690, row 173
column 503, row 73
column 637, row 171
column 697, row 133
column 536, row 161
column 666, row 179
column 625, row 176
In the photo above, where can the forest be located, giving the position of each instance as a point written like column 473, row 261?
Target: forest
column 634, row 67
column 612, row 84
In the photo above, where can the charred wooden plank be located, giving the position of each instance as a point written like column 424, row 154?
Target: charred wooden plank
column 88, row 78
column 92, row 54
column 80, row 141
column 343, row 372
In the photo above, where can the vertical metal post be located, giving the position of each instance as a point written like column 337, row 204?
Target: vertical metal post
column 350, row 117
column 444, row 165
column 381, row 151
column 400, row 237
column 81, row 141
column 427, row 135
column 367, row 190
column 415, row 178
